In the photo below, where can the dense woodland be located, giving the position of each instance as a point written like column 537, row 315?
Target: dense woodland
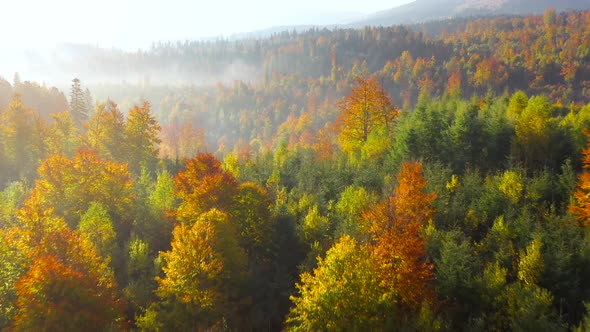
column 429, row 178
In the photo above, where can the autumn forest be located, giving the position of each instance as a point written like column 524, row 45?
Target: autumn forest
column 429, row 177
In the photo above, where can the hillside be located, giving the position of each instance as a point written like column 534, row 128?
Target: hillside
column 429, row 10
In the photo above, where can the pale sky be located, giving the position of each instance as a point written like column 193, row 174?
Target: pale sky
column 135, row 23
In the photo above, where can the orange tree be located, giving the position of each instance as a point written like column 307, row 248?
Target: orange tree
column 397, row 240
column 581, row 206
column 365, row 109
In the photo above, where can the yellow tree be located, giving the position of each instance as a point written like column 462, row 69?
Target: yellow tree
column 141, row 133
column 21, row 133
column 365, row 109
column 343, row 293
column 533, row 132
column 105, row 132
column 203, row 273
column 63, row 134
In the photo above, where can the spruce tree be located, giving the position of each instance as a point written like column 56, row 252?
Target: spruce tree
column 78, row 106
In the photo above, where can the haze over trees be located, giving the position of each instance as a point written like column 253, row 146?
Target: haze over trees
column 373, row 179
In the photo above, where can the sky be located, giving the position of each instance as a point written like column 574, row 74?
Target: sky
column 132, row 24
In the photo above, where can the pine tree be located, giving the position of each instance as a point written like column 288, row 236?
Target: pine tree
column 78, row 106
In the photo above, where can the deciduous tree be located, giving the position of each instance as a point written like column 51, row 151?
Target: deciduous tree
column 203, row 185
column 397, row 240
column 203, row 271
column 581, row 206
column 366, row 107
column 343, row 293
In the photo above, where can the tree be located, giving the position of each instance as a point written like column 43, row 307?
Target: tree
column 97, row 228
column 366, row 108
column 105, row 132
column 88, row 101
column 141, row 134
column 581, row 206
column 63, row 135
column 70, row 186
column 397, row 240
column 16, row 81
column 67, row 287
column 78, row 106
column 13, row 265
column 157, row 229
column 203, row 271
column 344, row 293
column 511, row 185
column 141, row 274
column 202, row 186
column 256, row 227
column 518, row 103
column 533, row 132
column 353, row 201
column 22, row 132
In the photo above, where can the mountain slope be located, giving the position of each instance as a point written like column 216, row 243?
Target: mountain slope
column 429, row 10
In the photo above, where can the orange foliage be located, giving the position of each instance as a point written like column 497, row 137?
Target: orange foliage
column 67, row 287
column 324, row 143
column 397, row 242
column 367, row 107
column 203, row 185
column 581, row 207
column 70, row 185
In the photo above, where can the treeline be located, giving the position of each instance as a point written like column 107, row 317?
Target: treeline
column 268, row 87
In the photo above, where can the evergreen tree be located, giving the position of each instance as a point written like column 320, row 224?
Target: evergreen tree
column 78, row 100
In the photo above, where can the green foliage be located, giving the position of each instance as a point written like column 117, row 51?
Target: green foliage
column 518, row 103
column 530, row 309
column 13, row 263
column 353, row 201
column 530, row 266
column 11, row 199
column 96, row 226
column 315, row 227
column 456, row 268
column 141, row 275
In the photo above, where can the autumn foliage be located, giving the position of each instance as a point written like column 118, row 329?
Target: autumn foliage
column 304, row 225
column 397, row 239
column 581, row 208
column 203, row 185
column 67, row 285
column 365, row 109
column 70, row 185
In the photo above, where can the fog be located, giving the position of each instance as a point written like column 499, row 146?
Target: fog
column 54, row 41
column 92, row 65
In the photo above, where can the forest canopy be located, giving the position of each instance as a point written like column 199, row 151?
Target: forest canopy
column 376, row 179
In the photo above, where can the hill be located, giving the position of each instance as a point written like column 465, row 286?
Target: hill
column 429, row 10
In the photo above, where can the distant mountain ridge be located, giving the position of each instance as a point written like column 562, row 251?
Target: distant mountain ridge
column 430, row 10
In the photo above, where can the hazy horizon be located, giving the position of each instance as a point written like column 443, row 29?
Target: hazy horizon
column 133, row 24
column 40, row 29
